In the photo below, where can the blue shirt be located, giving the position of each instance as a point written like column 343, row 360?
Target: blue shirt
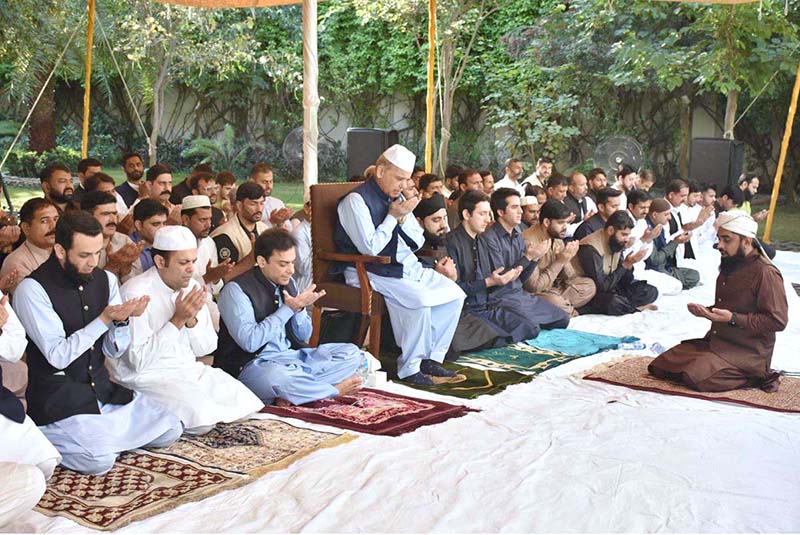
column 237, row 312
column 146, row 257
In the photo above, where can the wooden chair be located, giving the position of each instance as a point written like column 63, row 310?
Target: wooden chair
column 338, row 295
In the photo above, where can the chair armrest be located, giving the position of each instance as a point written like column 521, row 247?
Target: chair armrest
column 354, row 258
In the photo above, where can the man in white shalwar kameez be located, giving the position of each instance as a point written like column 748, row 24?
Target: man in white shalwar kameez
column 638, row 206
column 171, row 334
column 424, row 306
column 27, row 459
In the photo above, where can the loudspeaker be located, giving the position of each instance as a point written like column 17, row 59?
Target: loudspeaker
column 364, row 145
column 715, row 160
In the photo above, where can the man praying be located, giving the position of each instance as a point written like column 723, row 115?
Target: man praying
column 749, row 308
column 376, row 219
column 608, row 202
column 555, row 279
column 663, row 256
column 75, row 319
column 171, row 334
column 264, row 329
column 38, row 218
column 235, row 238
column 600, row 257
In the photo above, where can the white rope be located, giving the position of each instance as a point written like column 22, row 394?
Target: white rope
column 124, row 84
column 41, row 92
column 755, row 98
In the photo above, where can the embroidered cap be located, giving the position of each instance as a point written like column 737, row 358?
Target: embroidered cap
column 528, row 200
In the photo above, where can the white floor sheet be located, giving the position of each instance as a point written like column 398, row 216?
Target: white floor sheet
column 556, row 455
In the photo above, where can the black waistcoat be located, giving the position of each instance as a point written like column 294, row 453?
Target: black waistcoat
column 53, row 395
column 10, row 406
column 261, row 291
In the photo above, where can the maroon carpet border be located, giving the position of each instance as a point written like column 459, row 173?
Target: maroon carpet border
column 440, row 413
column 696, row 396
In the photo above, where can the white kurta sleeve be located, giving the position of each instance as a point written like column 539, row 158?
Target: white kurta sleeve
column 12, row 341
column 202, row 337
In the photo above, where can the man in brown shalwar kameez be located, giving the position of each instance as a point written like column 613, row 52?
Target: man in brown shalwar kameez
column 749, row 308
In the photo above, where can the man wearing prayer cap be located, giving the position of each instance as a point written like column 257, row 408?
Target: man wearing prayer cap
column 530, row 212
column 749, row 308
column 171, row 334
column 424, row 306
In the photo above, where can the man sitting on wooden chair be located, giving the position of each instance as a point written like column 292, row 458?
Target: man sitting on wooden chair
column 424, row 306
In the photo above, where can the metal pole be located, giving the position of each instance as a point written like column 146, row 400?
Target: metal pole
column 88, row 88
column 787, row 134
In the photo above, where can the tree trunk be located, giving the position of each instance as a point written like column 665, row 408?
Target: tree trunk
column 686, row 135
column 730, row 113
column 42, row 126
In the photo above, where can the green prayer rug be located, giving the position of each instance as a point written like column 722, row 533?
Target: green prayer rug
column 517, row 358
column 471, row 383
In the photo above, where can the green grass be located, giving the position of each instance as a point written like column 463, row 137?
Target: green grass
column 785, row 224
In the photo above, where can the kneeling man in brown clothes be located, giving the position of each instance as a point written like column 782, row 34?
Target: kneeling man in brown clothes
column 749, row 308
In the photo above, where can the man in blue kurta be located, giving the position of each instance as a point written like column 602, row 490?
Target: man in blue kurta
column 376, row 219
column 264, row 328
column 74, row 318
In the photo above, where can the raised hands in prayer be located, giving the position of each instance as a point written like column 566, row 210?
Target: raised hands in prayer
column 705, row 213
column 447, row 267
column 129, row 309
column 683, row 238
column 3, row 312
column 570, row 250
column 121, row 261
column 401, row 208
column 571, row 217
column 187, row 305
column 498, row 278
column 652, row 233
column 534, row 251
column 214, row 274
column 303, row 299
column 760, row 215
column 719, row 315
column 8, row 280
column 633, row 258
column 590, row 214
column 9, row 235
column 279, row 216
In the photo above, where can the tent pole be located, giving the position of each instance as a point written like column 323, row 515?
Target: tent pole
column 310, row 96
column 429, row 117
column 787, row 134
column 88, row 83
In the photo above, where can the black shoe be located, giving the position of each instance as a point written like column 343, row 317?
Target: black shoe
column 431, row 367
column 418, row 378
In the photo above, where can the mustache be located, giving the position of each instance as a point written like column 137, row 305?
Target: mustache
column 51, row 233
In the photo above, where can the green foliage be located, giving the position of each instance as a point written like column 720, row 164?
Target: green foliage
column 223, row 153
column 27, row 163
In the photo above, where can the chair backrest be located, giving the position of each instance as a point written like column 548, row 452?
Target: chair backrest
column 324, row 199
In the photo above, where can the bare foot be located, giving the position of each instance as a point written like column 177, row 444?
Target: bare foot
column 647, row 307
column 348, row 386
column 280, row 402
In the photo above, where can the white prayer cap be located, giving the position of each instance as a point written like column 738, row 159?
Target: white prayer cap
column 739, row 223
column 530, row 199
column 195, row 201
column 401, row 157
column 174, row 238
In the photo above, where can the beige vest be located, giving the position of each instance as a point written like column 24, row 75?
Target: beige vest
column 234, row 230
column 598, row 240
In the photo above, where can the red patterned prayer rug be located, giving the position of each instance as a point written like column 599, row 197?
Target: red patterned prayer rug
column 374, row 412
column 144, row 483
column 632, row 373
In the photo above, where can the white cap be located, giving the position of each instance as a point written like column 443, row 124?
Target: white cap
column 174, row 238
column 530, row 199
column 195, row 201
column 401, row 157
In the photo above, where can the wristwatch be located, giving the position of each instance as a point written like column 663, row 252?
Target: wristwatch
column 121, row 323
column 732, row 323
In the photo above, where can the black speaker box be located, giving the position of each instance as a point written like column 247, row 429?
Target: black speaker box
column 716, row 160
column 364, row 145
